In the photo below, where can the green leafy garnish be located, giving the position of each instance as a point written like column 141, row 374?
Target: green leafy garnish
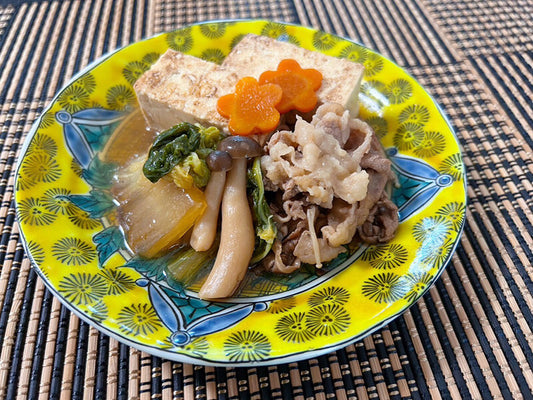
column 169, row 149
column 191, row 171
column 181, row 151
column 265, row 228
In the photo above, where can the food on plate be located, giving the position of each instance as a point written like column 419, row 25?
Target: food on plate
column 150, row 224
column 205, row 229
column 256, row 106
column 178, row 154
column 341, row 78
column 180, row 87
column 262, row 159
column 237, row 234
column 181, row 151
column 328, row 177
column 252, row 108
column 298, row 86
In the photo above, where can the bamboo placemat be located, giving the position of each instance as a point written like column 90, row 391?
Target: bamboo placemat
column 470, row 336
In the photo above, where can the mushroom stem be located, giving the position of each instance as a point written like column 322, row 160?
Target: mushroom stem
column 205, row 229
column 237, row 238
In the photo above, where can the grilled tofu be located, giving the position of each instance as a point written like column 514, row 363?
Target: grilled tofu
column 341, row 78
column 183, row 88
column 180, row 87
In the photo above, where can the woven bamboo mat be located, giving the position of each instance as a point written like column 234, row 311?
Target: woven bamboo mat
column 470, row 336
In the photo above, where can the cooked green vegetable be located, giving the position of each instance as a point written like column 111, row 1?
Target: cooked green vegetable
column 185, row 264
column 181, row 151
column 169, row 149
column 265, row 228
column 209, row 138
column 191, row 171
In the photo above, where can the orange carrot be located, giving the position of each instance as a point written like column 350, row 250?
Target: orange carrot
column 298, row 85
column 252, row 108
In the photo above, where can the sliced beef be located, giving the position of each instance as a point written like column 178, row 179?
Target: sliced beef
column 316, row 219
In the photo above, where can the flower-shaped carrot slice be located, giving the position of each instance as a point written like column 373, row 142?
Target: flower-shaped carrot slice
column 252, row 108
column 298, row 85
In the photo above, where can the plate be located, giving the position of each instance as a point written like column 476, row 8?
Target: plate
column 69, row 229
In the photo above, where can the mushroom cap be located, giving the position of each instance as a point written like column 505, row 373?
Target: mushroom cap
column 219, row 160
column 240, row 146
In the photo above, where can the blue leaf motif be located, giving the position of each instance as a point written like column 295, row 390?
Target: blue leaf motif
column 419, row 183
column 169, row 315
column 96, row 125
column 97, row 203
column 413, row 167
column 221, row 321
column 189, row 317
column 78, row 145
column 417, row 202
column 151, row 268
column 99, row 174
column 97, row 136
column 98, row 116
column 192, row 308
column 87, row 131
column 108, row 242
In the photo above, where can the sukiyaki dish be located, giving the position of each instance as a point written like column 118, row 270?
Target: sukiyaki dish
column 261, row 160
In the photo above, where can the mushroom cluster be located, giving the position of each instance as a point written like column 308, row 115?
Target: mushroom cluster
column 204, row 232
column 226, row 193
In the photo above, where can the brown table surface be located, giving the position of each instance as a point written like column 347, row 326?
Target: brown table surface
column 470, row 336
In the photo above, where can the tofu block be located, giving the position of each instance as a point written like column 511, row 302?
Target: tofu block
column 341, row 78
column 179, row 87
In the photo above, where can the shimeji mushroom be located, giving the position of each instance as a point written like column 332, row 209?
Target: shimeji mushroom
column 204, row 232
column 237, row 238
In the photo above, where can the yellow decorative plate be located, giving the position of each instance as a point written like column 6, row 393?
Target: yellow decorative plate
column 67, row 218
